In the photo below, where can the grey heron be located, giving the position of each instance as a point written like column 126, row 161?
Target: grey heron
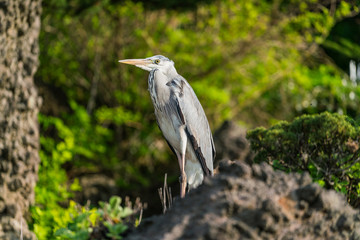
column 181, row 119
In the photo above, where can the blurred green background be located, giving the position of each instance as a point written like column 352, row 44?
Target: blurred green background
column 254, row 62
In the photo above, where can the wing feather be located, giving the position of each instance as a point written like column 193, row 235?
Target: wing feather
column 193, row 116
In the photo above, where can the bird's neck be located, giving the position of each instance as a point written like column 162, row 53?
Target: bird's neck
column 159, row 91
column 171, row 73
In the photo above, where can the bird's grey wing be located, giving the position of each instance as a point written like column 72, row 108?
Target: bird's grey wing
column 198, row 130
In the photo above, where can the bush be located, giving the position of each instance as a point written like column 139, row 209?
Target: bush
column 110, row 221
column 53, row 209
column 326, row 145
column 252, row 61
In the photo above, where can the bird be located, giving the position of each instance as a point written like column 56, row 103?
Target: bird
column 181, row 119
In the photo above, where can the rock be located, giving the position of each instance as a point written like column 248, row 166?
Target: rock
column 2, row 205
column 19, row 104
column 345, row 222
column 256, row 202
column 331, row 201
column 242, row 169
column 309, row 193
column 231, row 143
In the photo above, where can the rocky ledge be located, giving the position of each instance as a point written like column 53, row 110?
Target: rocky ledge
column 255, row 202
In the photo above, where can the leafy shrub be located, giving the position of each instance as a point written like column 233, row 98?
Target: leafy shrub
column 326, row 145
column 247, row 60
column 108, row 222
column 253, row 61
column 66, row 144
column 52, row 191
column 79, row 226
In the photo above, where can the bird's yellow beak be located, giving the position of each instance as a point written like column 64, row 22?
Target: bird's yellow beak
column 136, row 62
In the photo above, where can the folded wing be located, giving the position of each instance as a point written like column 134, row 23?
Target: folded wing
column 191, row 113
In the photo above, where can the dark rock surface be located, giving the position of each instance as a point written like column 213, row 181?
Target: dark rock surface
column 255, row 202
column 231, row 143
column 19, row 107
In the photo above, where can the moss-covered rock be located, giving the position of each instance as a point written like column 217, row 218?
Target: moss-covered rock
column 326, row 145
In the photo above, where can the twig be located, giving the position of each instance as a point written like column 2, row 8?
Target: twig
column 165, row 196
column 168, row 191
column 162, row 199
column 164, row 192
column 140, row 217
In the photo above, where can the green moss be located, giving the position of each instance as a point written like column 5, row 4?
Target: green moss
column 326, row 145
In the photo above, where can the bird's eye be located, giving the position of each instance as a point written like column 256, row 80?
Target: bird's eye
column 157, row 61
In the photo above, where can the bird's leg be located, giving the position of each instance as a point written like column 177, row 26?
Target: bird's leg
column 181, row 159
column 182, row 178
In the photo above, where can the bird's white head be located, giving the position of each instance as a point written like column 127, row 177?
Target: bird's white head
column 157, row 62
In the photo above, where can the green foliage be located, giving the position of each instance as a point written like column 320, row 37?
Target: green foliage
column 114, row 213
column 109, row 219
column 80, row 226
column 173, row 4
column 252, row 61
column 50, row 219
column 52, row 189
column 326, row 145
column 70, row 145
column 346, row 47
column 248, row 61
column 113, row 209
